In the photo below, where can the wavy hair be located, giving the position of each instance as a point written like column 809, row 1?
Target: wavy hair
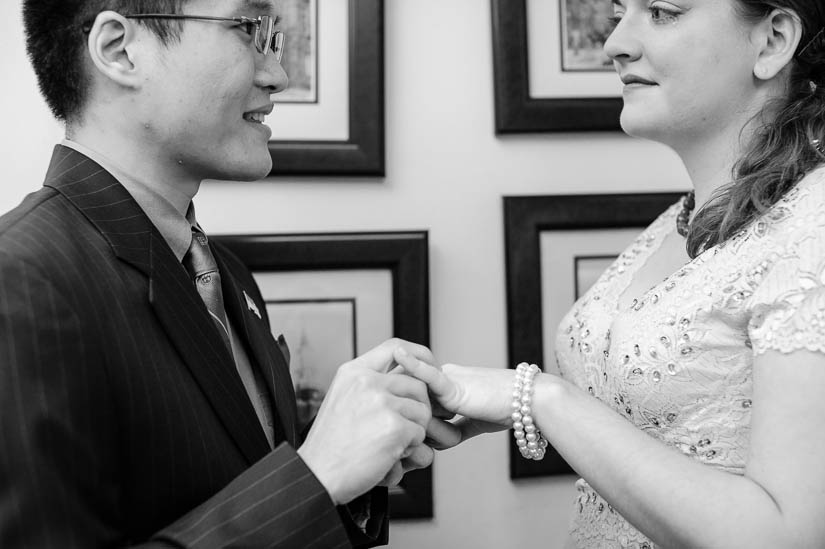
column 786, row 147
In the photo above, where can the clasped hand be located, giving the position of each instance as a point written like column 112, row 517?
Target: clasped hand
column 386, row 411
column 481, row 396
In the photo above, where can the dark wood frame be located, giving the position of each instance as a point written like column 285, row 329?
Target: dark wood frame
column 406, row 256
column 363, row 153
column 525, row 217
column 516, row 111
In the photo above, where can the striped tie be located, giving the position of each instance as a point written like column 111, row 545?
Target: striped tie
column 203, row 269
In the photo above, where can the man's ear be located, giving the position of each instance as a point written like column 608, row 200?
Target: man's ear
column 777, row 37
column 111, row 47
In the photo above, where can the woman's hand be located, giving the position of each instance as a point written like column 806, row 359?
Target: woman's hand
column 482, row 395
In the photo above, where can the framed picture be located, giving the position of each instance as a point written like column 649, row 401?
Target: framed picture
column 299, row 22
column 330, row 120
column 335, row 296
column 550, row 71
column 323, row 335
column 556, row 247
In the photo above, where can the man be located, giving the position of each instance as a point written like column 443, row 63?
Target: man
column 143, row 400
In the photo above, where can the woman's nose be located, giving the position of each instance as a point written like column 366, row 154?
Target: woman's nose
column 623, row 43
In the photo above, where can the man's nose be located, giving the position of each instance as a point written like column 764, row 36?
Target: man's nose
column 271, row 74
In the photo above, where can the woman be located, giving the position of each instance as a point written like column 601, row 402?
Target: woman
column 691, row 401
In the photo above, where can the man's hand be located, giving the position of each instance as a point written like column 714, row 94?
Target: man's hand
column 440, row 435
column 482, row 395
column 368, row 424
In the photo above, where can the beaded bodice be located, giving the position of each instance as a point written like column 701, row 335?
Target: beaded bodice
column 678, row 362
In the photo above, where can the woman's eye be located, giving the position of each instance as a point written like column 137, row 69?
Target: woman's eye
column 661, row 15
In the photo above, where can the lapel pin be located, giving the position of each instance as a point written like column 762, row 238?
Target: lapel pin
column 251, row 304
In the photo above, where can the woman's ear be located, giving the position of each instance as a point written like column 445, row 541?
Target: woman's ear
column 111, row 47
column 777, row 37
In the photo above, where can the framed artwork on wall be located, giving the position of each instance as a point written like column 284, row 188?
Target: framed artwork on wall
column 322, row 334
column 551, row 74
column 330, row 120
column 333, row 297
column 299, row 23
column 556, row 248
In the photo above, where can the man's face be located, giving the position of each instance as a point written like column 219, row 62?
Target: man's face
column 204, row 98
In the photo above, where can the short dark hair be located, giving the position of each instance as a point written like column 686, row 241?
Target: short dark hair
column 56, row 39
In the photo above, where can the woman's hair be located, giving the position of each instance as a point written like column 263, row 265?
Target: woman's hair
column 56, row 36
column 789, row 144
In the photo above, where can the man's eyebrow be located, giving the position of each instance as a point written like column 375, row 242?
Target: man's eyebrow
column 259, row 7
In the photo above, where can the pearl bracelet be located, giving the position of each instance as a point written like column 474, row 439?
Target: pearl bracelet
column 529, row 440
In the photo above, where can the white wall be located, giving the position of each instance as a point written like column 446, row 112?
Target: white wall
column 446, row 172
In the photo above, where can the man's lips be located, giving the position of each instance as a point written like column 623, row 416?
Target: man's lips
column 258, row 115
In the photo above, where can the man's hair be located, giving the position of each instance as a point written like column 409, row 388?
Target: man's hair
column 56, row 38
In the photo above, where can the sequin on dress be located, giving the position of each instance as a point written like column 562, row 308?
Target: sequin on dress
column 678, row 362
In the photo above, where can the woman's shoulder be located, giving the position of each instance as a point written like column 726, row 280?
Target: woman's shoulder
column 809, row 191
column 800, row 211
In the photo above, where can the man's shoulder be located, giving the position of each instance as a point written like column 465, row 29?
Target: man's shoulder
column 23, row 212
column 43, row 228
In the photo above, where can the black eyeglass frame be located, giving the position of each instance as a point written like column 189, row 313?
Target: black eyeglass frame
column 273, row 40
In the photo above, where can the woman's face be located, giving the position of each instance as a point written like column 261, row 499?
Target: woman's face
column 687, row 68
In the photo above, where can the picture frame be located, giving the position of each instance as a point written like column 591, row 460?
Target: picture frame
column 526, row 220
column 299, row 23
column 404, row 256
column 363, row 153
column 517, row 111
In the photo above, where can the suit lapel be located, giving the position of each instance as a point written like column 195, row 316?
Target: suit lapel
column 133, row 238
column 265, row 352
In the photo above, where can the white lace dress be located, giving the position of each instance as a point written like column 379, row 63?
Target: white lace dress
column 678, row 362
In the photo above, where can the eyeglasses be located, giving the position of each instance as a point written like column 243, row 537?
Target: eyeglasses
column 261, row 29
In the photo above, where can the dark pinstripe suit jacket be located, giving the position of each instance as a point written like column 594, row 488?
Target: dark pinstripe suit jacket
column 122, row 418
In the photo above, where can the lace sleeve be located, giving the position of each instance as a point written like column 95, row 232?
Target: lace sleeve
column 790, row 311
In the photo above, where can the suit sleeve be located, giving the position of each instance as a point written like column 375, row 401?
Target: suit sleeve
column 59, row 482
column 367, row 517
column 276, row 503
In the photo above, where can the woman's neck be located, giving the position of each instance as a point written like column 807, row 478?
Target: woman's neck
column 710, row 161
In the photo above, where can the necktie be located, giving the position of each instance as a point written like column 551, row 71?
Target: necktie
column 203, row 269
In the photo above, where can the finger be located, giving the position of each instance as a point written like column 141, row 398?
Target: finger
column 421, row 456
column 442, row 435
column 420, row 352
column 440, row 411
column 380, row 358
column 472, row 427
column 415, row 412
column 436, row 381
column 393, row 476
column 407, row 387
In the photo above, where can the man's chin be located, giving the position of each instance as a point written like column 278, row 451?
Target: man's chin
column 252, row 171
